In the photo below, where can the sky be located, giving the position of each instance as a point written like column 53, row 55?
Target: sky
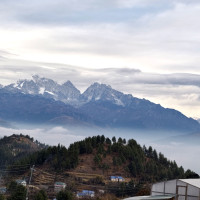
column 149, row 48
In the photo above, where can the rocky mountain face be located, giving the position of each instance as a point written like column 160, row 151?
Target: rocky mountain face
column 42, row 100
column 102, row 92
column 26, row 108
column 66, row 92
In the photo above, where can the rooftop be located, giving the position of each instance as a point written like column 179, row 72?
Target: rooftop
column 195, row 182
column 158, row 197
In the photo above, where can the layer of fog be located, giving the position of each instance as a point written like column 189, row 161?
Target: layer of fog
column 173, row 145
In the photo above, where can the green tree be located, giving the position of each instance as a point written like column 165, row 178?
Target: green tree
column 120, row 140
column 191, row 174
column 64, row 195
column 12, row 187
column 41, row 195
column 2, row 197
column 155, row 155
column 114, row 139
column 97, row 159
column 108, row 141
column 19, row 193
column 102, row 139
column 132, row 168
column 114, row 161
column 124, row 141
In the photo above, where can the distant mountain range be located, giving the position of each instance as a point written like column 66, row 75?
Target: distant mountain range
column 44, row 101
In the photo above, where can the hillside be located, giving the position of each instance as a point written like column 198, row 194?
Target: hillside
column 43, row 101
column 86, row 165
column 15, row 147
column 91, row 162
column 23, row 108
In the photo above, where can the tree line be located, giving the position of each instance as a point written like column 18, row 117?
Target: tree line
column 143, row 162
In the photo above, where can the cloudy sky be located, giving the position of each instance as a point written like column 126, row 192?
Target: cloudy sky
column 149, row 48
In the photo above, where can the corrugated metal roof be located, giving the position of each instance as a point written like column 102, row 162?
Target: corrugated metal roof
column 195, row 182
column 158, row 197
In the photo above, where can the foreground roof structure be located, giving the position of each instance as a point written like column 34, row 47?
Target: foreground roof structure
column 178, row 189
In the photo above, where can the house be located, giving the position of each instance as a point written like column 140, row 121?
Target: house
column 117, row 179
column 121, row 179
column 21, row 182
column 114, row 178
column 178, row 189
column 58, row 186
column 85, row 193
column 101, row 191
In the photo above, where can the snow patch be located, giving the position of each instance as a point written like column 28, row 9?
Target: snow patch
column 89, row 98
column 15, row 85
column 21, row 85
column 42, row 89
column 97, row 98
column 118, row 102
column 50, row 93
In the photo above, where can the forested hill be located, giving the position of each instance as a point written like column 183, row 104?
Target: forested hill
column 15, row 147
column 100, row 155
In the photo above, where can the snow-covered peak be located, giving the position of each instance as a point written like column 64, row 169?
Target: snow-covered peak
column 68, row 83
column 48, row 84
column 68, row 93
column 35, row 78
column 102, row 92
column 97, row 85
column 47, row 88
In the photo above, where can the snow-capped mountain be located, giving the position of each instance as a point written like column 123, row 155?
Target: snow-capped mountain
column 39, row 101
column 48, row 88
column 68, row 93
column 102, row 92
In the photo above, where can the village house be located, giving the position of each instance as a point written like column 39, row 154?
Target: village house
column 117, row 179
column 21, row 182
column 58, row 186
column 85, row 193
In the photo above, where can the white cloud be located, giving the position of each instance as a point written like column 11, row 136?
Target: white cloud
column 153, row 36
column 54, row 136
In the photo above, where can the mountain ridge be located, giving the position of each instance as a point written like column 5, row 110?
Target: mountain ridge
column 43, row 100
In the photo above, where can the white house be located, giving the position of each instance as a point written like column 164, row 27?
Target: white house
column 58, row 186
column 21, row 182
column 117, row 179
column 121, row 179
column 85, row 193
